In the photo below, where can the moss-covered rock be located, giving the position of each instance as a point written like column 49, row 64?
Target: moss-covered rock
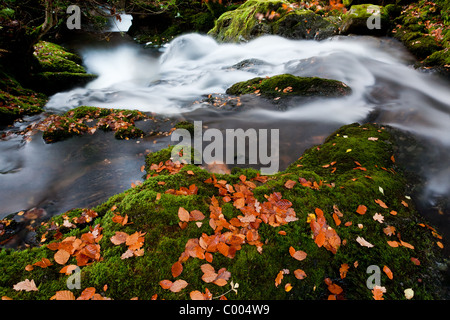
column 287, row 85
column 259, row 17
column 16, row 101
column 57, row 69
column 366, row 19
column 346, row 171
column 88, row 119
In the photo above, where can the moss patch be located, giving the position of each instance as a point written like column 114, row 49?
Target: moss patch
column 258, row 17
column 288, row 85
column 58, row 69
column 16, row 101
column 346, row 171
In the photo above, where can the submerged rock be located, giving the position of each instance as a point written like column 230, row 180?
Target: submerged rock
column 259, row 17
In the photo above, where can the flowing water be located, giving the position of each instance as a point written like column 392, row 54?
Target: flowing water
column 176, row 80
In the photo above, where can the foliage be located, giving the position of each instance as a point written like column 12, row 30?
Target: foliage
column 261, row 236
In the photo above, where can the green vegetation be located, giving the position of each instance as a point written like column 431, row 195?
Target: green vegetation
column 58, row 69
column 337, row 176
column 16, row 102
column 288, row 85
column 88, row 119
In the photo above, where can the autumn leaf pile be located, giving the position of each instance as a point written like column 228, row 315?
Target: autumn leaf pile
column 309, row 232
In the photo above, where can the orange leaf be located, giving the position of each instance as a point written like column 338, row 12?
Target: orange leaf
column 406, row 244
column 377, row 293
column 361, row 209
column 298, row 255
column 183, row 214
column 290, row 184
column 87, row 294
column 119, row 238
column 320, row 239
column 336, row 219
column 61, row 256
column 381, row 203
column 343, row 270
column 300, row 274
column 404, row 203
column 178, row 285
column 63, row 295
column 389, row 230
column 177, row 268
column 415, row 261
column 223, row 248
column 279, row 278
column 393, row 244
column 388, row 272
column 196, row 295
column 165, row 284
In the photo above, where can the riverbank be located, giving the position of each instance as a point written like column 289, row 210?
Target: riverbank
column 309, row 232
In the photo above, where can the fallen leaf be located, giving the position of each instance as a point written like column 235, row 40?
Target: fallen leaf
column 361, row 209
column 165, row 284
column 381, row 203
column 288, row 287
column 61, row 256
column 409, row 293
column 63, row 295
column 279, row 277
column 298, row 255
column 388, row 272
column 87, row 294
column 343, row 270
column 389, row 230
column 183, row 214
column 290, row 184
column 378, row 217
column 26, row 285
column 177, row 269
column 415, row 261
column 377, row 293
column 299, row 274
column 363, row 242
column 178, row 285
column 119, row 238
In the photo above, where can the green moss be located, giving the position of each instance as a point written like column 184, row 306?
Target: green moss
column 57, row 69
column 438, row 58
column 289, row 85
column 252, row 19
column 356, row 19
column 345, row 187
column 16, row 102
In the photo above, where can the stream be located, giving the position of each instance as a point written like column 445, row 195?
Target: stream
column 174, row 81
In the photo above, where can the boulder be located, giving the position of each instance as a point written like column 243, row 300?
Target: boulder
column 259, row 17
column 365, row 19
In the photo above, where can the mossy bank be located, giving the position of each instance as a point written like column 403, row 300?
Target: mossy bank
column 354, row 167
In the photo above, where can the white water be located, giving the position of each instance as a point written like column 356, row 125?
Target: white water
column 378, row 71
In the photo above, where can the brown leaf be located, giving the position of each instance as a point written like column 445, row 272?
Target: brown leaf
column 279, row 277
column 178, row 285
column 87, row 294
column 381, row 203
column 119, row 238
column 183, row 214
column 177, row 269
column 196, row 295
column 61, row 256
column 299, row 274
column 165, row 284
column 298, row 255
column 290, row 184
column 63, row 295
